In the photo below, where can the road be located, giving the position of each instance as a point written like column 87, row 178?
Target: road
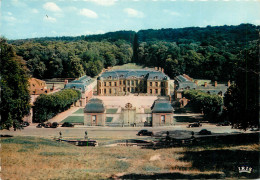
column 110, row 133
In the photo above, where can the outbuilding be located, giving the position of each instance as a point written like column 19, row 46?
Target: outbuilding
column 94, row 113
column 162, row 113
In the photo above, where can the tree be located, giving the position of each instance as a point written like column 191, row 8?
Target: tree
column 76, row 69
column 15, row 97
column 242, row 98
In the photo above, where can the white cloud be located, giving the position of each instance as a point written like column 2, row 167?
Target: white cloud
column 50, row 6
column 10, row 14
column 71, row 8
column 133, row 13
column 35, row 11
column 9, row 19
column 103, row 2
column 49, row 19
column 173, row 13
column 88, row 13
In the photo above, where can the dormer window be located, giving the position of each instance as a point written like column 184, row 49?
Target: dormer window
column 109, row 77
column 156, row 77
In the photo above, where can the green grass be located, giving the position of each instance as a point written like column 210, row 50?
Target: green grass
column 109, row 119
column 79, row 111
column 128, row 66
column 111, row 111
column 74, row 119
column 147, row 110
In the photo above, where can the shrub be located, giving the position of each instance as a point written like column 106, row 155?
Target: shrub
column 47, row 106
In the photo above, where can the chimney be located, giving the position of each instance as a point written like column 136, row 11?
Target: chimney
column 53, row 87
column 196, row 82
column 162, row 70
column 205, row 84
column 228, row 83
column 216, row 83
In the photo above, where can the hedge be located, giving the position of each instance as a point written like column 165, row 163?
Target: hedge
column 47, row 106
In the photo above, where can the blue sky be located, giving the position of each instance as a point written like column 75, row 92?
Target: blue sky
column 40, row 18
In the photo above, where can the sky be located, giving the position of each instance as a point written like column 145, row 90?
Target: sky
column 20, row 19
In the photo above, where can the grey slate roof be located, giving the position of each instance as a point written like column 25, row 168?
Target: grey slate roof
column 80, row 84
column 162, row 106
column 94, row 106
column 212, row 89
column 136, row 73
column 183, row 83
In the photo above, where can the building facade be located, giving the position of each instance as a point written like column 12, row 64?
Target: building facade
column 123, row 82
column 162, row 113
column 82, row 84
column 94, row 113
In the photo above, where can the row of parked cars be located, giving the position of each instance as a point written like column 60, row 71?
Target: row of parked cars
column 145, row 132
column 54, row 125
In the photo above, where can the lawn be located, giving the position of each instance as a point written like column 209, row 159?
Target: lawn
column 148, row 110
column 74, row 119
column 111, row 111
column 109, row 119
column 39, row 158
column 128, row 66
column 79, row 111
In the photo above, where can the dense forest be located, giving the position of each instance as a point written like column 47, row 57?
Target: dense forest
column 210, row 52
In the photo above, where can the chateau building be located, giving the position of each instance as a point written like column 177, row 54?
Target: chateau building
column 123, row 82
column 83, row 84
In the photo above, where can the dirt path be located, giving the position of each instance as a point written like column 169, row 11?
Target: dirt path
column 64, row 114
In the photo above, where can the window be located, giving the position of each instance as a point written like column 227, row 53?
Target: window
column 163, row 119
column 136, row 82
column 120, row 82
column 124, row 88
column 115, row 83
column 132, row 83
column 124, row 82
column 128, row 82
column 105, row 91
column 105, row 84
column 94, row 119
column 115, row 91
column 136, row 89
column 162, row 84
column 156, row 91
column 151, row 91
column 109, row 83
column 128, row 89
column 156, row 83
column 99, row 91
column 110, row 91
column 151, row 83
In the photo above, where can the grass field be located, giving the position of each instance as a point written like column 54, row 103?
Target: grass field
column 79, row 111
column 111, row 111
column 38, row 158
column 74, row 119
column 128, row 66
column 109, row 119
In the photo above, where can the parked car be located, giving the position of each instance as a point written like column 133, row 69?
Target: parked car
column 225, row 123
column 54, row 125
column 67, row 124
column 194, row 125
column 204, row 132
column 40, row 125
column 144, row 132
column 47, row 125
column 25, row 124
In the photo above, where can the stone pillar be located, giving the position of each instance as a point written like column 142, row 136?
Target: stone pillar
column 216, row 83
column 205, row 84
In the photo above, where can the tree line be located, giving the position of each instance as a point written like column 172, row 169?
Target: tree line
column 47, row 106
column 53, row 59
